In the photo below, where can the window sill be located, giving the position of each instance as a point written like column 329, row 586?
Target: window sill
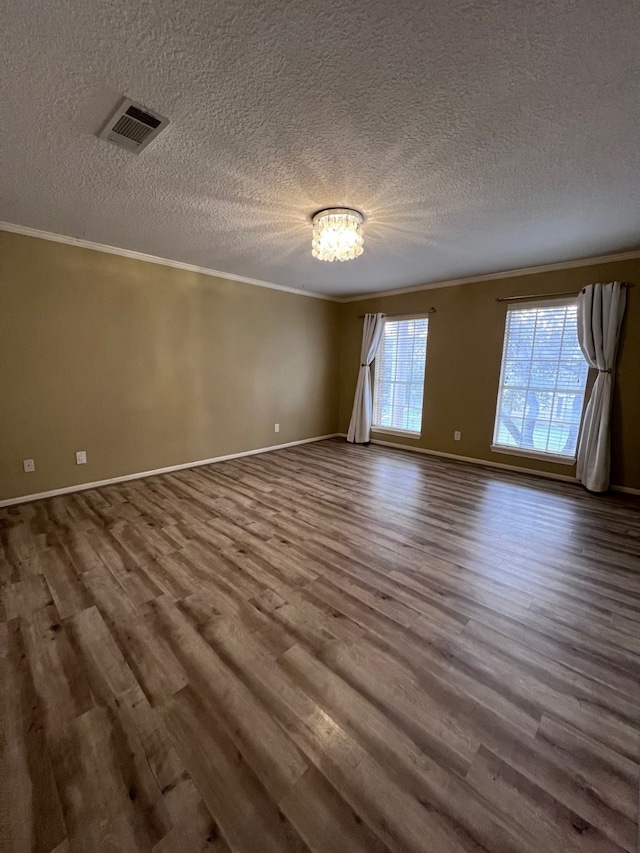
column 388, row 431
column 533, row 454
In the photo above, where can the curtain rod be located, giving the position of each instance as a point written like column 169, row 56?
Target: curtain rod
column 548, row 295
column 417, row 314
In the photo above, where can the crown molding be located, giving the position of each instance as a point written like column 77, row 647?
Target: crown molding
column 153, row 259
column 454, row 282
column 167, row 262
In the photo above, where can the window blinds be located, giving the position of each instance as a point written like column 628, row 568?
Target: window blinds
column 399, row 375
column 542, row 380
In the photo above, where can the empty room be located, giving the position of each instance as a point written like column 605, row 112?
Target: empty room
column 320, row 427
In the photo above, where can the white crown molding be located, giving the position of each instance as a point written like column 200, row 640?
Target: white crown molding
column 167, row 262
column 152, row 259
column 82, row 487
column 454, row 282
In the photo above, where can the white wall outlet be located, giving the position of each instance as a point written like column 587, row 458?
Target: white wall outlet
column 456, row 435
column 29, row 465
column 276, row 427
column 81, row 457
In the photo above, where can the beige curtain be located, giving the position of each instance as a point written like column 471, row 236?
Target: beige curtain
column 600, row 312
column 360, row 425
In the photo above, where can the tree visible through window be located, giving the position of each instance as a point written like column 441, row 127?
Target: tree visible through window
column 542, row 380
column 399, row 375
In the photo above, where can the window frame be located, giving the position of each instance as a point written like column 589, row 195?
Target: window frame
column 530, row 453
column 385, row 430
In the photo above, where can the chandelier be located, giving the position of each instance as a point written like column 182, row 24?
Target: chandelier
column 337, row 234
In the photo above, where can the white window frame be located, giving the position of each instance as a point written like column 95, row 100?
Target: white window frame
column 525, row 452
column 385, row 430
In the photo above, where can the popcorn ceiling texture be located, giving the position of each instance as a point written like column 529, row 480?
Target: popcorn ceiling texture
column 475, row 136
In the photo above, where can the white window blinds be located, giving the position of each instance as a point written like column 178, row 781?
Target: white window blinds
column 542, row 380
column 399, row 375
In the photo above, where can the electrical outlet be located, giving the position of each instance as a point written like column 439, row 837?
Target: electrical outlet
column 29, row 466
column 81, row 457
column 276, row 427
column 456, row 435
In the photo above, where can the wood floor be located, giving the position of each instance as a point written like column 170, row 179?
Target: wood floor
column 327, row 648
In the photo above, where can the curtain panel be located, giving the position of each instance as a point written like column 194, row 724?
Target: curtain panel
column 360, row 424
column 600, row 312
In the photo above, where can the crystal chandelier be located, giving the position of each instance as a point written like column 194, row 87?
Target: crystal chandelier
column 337, row 234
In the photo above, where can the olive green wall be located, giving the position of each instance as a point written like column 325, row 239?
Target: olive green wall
column 463, row 364
column 145, row 366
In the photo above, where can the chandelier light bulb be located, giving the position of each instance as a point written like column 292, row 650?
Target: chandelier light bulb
column 337, row 234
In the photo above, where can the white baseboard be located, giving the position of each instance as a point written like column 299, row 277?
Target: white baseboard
column 82, row 487
column 484, row 462
column 140, row 475
column 627, row 490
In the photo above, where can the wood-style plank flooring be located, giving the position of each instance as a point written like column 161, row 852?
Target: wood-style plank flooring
column 326, row 648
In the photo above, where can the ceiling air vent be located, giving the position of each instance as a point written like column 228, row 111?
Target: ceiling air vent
column 133, row 126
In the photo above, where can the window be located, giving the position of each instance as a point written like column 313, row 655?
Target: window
column 542, row 382
column 399, row 376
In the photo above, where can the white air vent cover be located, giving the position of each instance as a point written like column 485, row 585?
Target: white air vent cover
column 133, row 126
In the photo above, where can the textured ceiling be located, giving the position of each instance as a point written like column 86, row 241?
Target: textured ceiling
column 476, row 136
